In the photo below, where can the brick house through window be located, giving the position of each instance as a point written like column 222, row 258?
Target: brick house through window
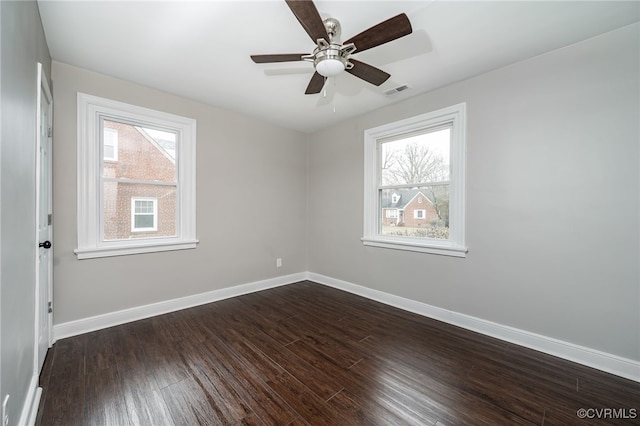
column 407, row 207
column 149, row 163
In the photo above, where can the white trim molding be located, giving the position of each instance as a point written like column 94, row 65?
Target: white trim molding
column 92, row 111
column 607, row 362
column 98, row 322
column 453, row 117
column 31, row 402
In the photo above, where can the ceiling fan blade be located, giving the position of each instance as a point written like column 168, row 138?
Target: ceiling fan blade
column 368, row 73
column 315, row 85
column 285, row 57
column 309, row 18
column 384, row 32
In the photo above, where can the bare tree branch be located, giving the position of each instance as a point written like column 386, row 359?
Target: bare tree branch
column 417, row 164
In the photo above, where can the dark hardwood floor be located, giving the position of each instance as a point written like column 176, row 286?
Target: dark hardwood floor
column 309, row 354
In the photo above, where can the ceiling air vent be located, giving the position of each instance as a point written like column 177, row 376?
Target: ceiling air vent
column 396, row 90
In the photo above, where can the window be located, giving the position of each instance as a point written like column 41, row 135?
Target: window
column 110, row 144
column 417, row 166
column 136, row 179
column 144, row 214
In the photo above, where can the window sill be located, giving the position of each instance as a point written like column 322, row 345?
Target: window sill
column 417, row 246
column 127, row 249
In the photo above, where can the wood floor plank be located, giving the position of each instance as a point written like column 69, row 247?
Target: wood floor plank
column 275, row 326
column 343, row 347
column 312, row 377
column 99, row 353
column 308, row 404
column 241, row 376
column 317, row 380
column 398, row 392
column 190, row 405
column 65, row 396
column 104, row 396
column 104, row 399
column 307, row 354
column 161, row 352
column 205, row 369
column 490, row 385
column 145, row 405
column 359, row 410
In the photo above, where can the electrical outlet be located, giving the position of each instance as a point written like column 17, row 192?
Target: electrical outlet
column 278, row 263
column 5, row 412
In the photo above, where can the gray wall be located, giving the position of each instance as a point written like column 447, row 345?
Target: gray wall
column 552, row 202
column 251, row 206
column 552, row 199
column 23, row 46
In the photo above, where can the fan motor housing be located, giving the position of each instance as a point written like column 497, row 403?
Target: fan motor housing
column 330, row 57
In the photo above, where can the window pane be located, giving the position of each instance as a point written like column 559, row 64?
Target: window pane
column 110, row 144
column 144, row 206
column 109, row 152
column 415, row 212
column 143, row 154
column 143, row 221
column 117, row 204
column 422, row 158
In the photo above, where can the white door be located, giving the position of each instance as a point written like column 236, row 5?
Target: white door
column 43, row 221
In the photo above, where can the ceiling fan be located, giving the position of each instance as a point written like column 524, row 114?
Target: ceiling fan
column 330, row 57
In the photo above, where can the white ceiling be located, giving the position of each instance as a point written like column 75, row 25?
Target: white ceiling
column 200, row 50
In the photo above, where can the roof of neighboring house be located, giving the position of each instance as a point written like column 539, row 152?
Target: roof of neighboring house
column 405, row 197
column 166, row 147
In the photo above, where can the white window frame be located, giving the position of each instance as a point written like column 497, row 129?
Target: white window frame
column 93, row 109
column 154, row 213
column 455, row 116
column 416, row 214
column 115, row 145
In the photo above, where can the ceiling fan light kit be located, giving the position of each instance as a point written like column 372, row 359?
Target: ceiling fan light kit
column 330, row 67
column 330, row 57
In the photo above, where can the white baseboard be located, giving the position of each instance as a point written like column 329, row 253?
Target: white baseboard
column 98, row 322
column 609, row 363
column 31, row 403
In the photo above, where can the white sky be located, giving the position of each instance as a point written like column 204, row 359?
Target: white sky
column 161, row 135
column 439, row 143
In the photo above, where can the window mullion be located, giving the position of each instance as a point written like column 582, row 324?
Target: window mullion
column 139, row 181
column 414, row 185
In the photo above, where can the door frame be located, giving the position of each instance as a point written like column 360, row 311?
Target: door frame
column 42, row 87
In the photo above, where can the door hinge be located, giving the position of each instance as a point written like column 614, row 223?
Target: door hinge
column 50, row 306
column 49, row 219
column 50, row 132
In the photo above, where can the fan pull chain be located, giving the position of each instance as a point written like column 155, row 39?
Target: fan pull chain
column 334, row 94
